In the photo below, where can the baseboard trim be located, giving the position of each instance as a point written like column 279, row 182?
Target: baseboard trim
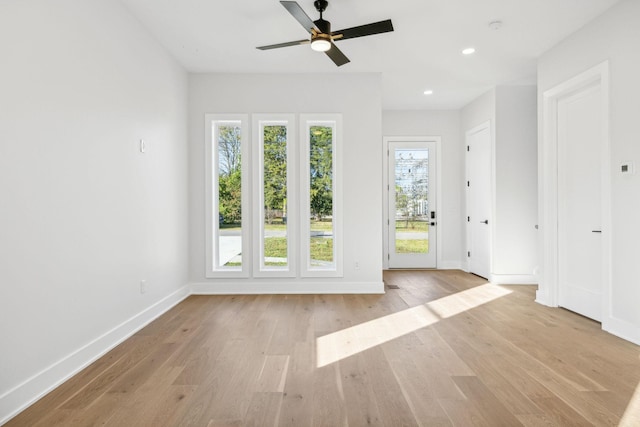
column 24, row 395
column 542, row 297
column 623, row 329
column 220, row 287
column 514, row 279
column 450, row 265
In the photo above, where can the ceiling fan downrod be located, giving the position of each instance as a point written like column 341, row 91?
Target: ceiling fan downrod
column 323, row 26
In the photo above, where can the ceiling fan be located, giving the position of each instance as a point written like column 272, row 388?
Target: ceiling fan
column 322, row 38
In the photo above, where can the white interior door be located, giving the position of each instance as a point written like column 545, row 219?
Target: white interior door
column 479, row 200
column 579, row 124
column 412, row 204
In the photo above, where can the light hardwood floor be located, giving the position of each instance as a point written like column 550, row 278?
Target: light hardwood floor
column 443, row 349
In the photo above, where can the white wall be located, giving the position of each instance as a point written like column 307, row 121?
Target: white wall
column 479, row 111
column 613, row 36
column 516, row 186
column 357, row 97
column 84, row 216
column 511, row 111
column 447, row 125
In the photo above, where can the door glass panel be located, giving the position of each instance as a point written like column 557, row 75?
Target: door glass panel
column 412, row 201
column 229, row 194
column 275, row 243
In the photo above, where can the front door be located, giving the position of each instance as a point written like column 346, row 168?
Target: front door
column 412, row 204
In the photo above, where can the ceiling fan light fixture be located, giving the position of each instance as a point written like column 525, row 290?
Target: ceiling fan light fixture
column 321, row 42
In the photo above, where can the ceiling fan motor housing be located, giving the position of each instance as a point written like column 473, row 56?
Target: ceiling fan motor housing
column 323, row 26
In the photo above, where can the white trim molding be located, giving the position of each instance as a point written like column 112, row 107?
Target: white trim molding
column 23, row 395
column 513, row 279
column 297, row 287
column 548, row 289
column 450, row 265
column 214, row 270
column 334, row 121
column 291, row 197
column 622, row 329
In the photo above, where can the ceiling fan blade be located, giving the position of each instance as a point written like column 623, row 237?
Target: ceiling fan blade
column 276, row 46
column 337, row 56
column 300, row 15
column 363, row 30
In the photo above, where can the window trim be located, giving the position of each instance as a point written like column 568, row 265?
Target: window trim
column 211, row 208
column 259, row 269
column 306, row 121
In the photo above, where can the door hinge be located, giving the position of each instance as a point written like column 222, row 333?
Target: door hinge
column 468, row 254
column 468, row 219
column 468, row 184
column 468, row 148
column 388, row 256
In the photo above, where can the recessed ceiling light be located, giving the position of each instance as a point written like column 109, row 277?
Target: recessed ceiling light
column 428, row 92
column 468, row 51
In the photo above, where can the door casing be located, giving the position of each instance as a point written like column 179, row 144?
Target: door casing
column 548, row 289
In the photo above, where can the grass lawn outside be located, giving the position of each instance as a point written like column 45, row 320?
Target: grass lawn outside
column 323, row 225
column 321, row 249
column 412, row 227
column 276, row 247
column 412, row 246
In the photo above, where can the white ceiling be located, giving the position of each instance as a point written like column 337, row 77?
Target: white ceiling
column 422, row 53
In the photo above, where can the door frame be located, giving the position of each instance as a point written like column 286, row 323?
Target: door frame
column 385, row 193
column 549, row 286
column 492, row 208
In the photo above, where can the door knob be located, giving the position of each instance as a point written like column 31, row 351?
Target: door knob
column 486, row 221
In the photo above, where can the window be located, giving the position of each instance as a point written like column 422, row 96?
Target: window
column 272, row 196
column 227, row 151
column 321, row 195
column 275, row 195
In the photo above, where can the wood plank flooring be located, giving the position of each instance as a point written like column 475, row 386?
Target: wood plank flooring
column 444, row 349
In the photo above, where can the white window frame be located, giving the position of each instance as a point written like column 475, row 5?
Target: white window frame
column 259, row 268
column 213, row 270
column 335, row 121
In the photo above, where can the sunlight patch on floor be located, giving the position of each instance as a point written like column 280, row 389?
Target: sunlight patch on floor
column 347, row 342
column 631, row 417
